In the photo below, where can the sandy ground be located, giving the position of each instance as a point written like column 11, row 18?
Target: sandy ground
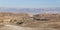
column 13, row 27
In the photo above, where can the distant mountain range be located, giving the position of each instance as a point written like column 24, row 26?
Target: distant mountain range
column 31, row 10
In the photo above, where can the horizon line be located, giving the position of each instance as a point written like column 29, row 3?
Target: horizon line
column 27, row 7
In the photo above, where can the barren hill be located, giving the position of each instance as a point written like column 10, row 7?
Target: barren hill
column 31, row 21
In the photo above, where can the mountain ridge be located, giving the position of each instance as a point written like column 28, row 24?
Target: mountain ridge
column 31, row 10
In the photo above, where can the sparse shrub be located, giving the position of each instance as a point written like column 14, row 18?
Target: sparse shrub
column 19, row 23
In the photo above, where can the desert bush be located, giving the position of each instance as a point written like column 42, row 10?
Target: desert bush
column 19, row 23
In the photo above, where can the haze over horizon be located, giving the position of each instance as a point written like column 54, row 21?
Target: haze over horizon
column 31, row 10
column 16, row 5
column 29, row 3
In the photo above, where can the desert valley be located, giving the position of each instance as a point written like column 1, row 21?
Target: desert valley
column 25, row 21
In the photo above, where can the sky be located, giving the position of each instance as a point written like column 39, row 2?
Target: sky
column 30, row 3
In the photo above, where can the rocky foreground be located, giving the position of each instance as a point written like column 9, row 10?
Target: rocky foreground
column 13, row 27
column 24, row 21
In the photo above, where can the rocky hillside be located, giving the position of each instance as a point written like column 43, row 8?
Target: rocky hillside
column 31, row 21
column 44, row 21
column 12, row 17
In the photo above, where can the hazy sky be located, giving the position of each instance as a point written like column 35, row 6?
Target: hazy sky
column 30, row 3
